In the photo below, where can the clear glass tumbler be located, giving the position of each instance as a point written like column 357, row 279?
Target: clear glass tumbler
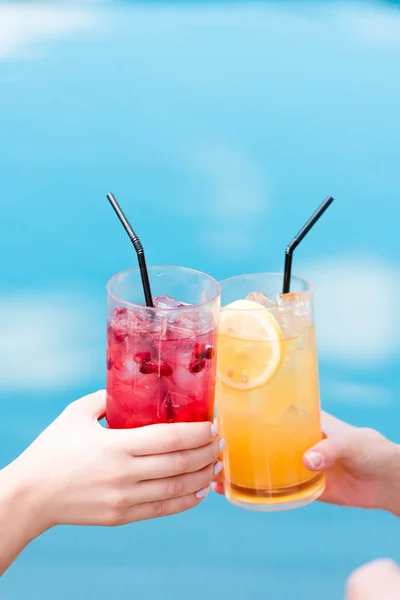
column 161, row 361
column 267, row 392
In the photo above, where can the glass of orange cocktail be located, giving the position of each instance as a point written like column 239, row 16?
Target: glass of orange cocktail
column 267, row 392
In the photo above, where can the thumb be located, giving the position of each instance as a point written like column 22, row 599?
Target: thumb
column 92, row 405
column 326, row 452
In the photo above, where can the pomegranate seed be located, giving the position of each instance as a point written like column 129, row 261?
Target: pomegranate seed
column 147, row 367
column 165, row 369
column 209, row 352
column 204, row 351
column 197, row 365
column 119, row 336
column 120, row 310
column 142, row 357
column 198, row 350
column 110, row 363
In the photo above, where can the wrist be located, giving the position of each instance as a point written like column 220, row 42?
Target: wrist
column 390, row 484
column 21, row 502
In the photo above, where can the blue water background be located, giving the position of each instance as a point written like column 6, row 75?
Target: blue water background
column 220, row 127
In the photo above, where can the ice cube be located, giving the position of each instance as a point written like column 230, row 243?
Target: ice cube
column 187, row 380
column 118, row 327
column 185, row 323
column 299, row 303
column 181, row 340
column 182, row 407
column 126, row 321
column 294, row 314
column 295, row 414
column 262, row 299
column 125, row 327
column 175, row 324
column 167, row 302
column 127, row 370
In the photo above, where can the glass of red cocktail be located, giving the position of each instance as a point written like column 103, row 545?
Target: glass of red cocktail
column 161, row 360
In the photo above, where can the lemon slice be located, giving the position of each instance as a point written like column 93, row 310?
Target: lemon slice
column 250, row 345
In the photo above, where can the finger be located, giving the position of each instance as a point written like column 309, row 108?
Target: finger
column 218, row 488
column 323, row 455
column 375, row 580
column 161, row 508
column 175, row 463
column 172, row 487
column 163, row 438
column 93, row 405
column 315, row 459
column 219, row 476
column 333, row 447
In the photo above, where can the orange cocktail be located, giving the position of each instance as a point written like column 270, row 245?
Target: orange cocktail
column 267, row 392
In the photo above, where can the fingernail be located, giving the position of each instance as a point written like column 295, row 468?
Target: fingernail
column 218, row 467
column 315, row 459
column 202, row 493
column 221, row 444
column 214, row 430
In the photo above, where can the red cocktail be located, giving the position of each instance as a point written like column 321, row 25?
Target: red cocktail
column 161, row 361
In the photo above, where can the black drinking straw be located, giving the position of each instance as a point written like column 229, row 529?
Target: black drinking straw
column 138, row 247
column 297, row 239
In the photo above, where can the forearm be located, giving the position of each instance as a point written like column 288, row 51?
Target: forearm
column 19, row 515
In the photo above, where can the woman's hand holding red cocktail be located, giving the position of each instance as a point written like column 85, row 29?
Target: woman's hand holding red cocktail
column 77, row 472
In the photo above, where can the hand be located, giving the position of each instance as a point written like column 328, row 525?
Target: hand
column 375, row 581
column 78, row 472
column 362, row 467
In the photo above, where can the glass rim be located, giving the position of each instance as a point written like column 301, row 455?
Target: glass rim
column 309, row 287
column 172, row 309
